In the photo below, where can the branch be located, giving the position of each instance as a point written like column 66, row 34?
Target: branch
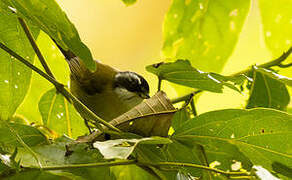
column 275, row 62
column 59, row 86
column 127, row 162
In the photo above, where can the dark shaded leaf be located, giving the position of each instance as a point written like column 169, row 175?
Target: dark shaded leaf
column 267, row 92
column 205, row 32
column 282, row 169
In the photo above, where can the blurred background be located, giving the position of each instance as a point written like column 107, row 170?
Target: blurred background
column 129, row 38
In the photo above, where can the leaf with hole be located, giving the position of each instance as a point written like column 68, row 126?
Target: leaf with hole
column 257, row 133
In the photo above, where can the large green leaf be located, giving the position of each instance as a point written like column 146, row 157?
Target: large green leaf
column 181, row 72
column 277, row 24
column 48, row 16
column 59, row 115
column 203, row 31
column 123, row 148
column 14, row 77
column 37, row 175
column 263, row 135
column 30, row 135
column 267, row 92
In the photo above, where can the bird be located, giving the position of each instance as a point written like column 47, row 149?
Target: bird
column 106, row 91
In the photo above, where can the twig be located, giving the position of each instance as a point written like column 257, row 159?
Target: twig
column 35, row 47
column 59, row 86
column 185, row 97
column 159, row 84
column 193, row 107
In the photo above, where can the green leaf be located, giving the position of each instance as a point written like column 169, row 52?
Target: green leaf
column 14, row 76
column 131, row 172
column 50, row 18
column 282, row 169
column 277, row 24
column 205, row 32
column 37, row 175
column 30, row 135
column 123, row 148
column 273, row 75
column 179, row 118
column 267, row 92
column 59, row 115
column 129, row 2
column 258, row 133
column 181, row 72
column 54, row 154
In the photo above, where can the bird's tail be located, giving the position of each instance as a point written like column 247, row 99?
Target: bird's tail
column 76, row 65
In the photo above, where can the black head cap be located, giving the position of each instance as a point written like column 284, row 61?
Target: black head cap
column 132, row 82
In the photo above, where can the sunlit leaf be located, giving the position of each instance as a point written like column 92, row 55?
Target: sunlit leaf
column 267, row 92
column 205, row 32
column 257, row 133
column 181, row 72
column 39, row 85
column 59, row 115
column 14, row 76
column 50, row 18
column 277, row 24
column 123, row 148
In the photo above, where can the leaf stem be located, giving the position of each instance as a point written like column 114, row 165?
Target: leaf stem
column 60, row 87
column 35, row 47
